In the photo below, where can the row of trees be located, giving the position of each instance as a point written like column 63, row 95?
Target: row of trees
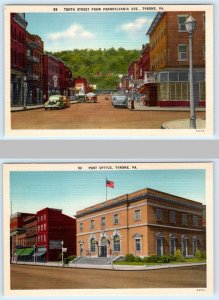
column 101, row 67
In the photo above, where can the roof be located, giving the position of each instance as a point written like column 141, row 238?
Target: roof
column 154, row 23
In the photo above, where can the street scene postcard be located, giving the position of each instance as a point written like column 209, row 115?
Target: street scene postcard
column 108, row 229
column 109, row 70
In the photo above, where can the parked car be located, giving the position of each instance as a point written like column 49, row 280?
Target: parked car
column 80, row 97
column 120, row 99
column 91, row 97
column 57, row 102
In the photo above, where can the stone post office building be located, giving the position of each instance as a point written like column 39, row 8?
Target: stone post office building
column 143, row 223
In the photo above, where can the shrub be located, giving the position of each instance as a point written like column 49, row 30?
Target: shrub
column 138, row 259
column 172, row 257
column 178, row 255
column 69, row 258
column 129, row 257
column 203, row 254
column 198, row 254
column 153, row 258
column 164, row 259
column 145, row 259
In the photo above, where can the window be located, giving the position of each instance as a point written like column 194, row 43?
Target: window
column 137, row 244
column 181, row 23
column 44, row 217
column 41, row 218
column 92, row 245
column 103, row 221
column 159, row 246
column 81, row 226
column 159, row 214
column 38, row 228
column 116, row 243
column 182, row 52
column 195, row 221
column 41, row 227
column 45, row 226
column 184, row 219
column 137, row 214
column 92, row 224
column 116, row 219
column 44, row 238
column 172, row 217
column 172, row 246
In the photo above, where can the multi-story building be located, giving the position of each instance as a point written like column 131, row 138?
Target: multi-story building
column 35, row 48
column 65, row 79
column 53, row 227
column 80, row 84
column 169, row 58
column 50, row 76
column 142, row 223
column 17, row 231
column 30, row 225
column 18, row 59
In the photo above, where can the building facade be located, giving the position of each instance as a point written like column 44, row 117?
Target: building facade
column 143, row 223
column 35, row 50
column 169, row 58
column 53, row 227
column 18, row 59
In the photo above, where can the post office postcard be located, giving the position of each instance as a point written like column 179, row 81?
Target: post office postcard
column 109, row 70
column 108, row 229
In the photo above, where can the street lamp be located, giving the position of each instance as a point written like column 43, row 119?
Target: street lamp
column 25, row 92
column 190, row 27
column 62, row 243
column 34, row 246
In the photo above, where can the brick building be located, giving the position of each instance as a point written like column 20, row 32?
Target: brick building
column 17, row 231
column 18, row 58
column 65, row 79
column 80, row 84
column 50, row 76
column 35, row 50
column 53, row 227
column 142, row 223
column 169, row 58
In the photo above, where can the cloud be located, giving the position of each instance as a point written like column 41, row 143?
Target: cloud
column 136, row 26
column 74, row 31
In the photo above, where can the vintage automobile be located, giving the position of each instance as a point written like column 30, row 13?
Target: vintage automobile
column 80, row 97
column 57, row 102
column 120, row 99
column 91, row 97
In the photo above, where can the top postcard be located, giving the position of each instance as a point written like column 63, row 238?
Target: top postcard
column 109, row 70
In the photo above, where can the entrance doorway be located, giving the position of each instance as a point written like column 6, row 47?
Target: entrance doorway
column 103, row 248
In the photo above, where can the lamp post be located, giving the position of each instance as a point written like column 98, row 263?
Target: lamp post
column 34, row 246
column 25, row 93
column 190, row 27
column 62, row 243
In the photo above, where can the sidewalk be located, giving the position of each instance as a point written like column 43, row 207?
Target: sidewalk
column 183, row 124
column 139, row 107
column 29, row 107
column 114, row 267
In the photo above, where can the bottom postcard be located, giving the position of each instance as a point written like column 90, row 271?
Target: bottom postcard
column 108, row 229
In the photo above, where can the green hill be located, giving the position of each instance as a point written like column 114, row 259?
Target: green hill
column 100, row 67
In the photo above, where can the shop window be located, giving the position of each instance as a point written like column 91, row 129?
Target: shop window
column 173, row 76
column 183, row 76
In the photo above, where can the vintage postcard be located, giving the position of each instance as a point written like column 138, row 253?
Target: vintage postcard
column 108, row 229
column 109, row 70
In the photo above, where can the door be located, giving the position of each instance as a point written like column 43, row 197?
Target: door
column 103, row 247
column 81, row 249
column 172, row 246
column 159, row 246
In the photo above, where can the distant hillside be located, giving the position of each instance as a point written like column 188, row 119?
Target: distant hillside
column 100, row 67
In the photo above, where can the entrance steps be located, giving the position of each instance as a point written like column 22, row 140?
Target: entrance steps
column 92, row 260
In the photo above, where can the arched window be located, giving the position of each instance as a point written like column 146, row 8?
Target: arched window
column 92, row 245
column 116, row 242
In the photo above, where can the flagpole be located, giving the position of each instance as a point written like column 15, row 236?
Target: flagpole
column 106, row 189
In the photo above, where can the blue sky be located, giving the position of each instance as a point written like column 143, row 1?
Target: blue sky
column 72, row 191
column 67, row 31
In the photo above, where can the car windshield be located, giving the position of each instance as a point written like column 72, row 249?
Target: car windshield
column 119, row 94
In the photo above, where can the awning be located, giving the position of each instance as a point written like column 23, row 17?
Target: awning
column 39, row 254
column 18, row 251
column 27, row 251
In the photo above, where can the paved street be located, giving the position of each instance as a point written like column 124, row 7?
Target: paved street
column 101, row 115
column 39, row 277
